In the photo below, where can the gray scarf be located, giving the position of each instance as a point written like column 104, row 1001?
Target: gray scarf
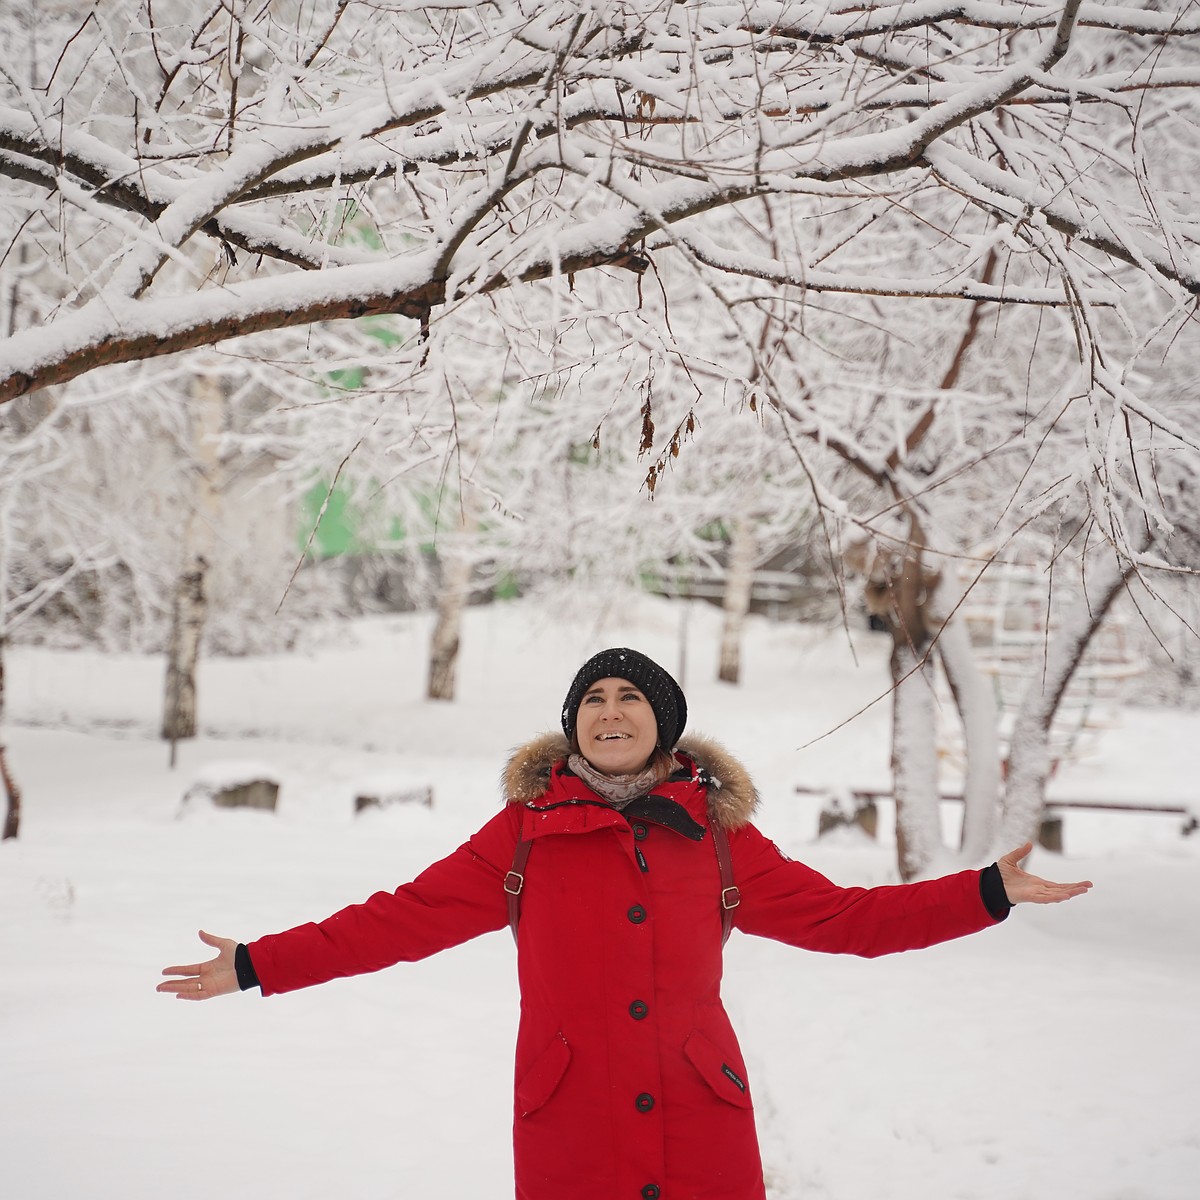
column 619, row 790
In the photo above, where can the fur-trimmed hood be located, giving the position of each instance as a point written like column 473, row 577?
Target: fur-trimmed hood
column 732, row 797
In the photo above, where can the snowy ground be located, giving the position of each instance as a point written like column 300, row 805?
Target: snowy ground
column 1056, row 1056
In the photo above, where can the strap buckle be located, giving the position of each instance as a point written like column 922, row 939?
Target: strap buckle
column 514, row 881
column 731, row 897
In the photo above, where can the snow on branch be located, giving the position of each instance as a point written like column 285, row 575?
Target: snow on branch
column 860, row 21
column 1021, row 200
column 397, row 161
column 738, row 263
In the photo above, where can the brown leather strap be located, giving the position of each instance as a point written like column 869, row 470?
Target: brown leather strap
column 514, row 884
column 730, row 896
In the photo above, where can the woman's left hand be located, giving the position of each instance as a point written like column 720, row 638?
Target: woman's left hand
column 1023, row 888
column 204, row 980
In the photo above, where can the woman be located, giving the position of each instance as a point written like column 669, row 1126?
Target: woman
column 607, row 862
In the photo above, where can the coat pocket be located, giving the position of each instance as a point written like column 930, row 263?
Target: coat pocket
column 723, row 1072
column 544, row 1075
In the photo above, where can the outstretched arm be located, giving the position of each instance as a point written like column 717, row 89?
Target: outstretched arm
column 458, row 898
column 792, row 903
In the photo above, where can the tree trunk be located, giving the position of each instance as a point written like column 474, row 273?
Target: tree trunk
column 457, row 563
column 188, row 614
column 12, row 793
column 976, row 704
column 898, row 591
column 189, row 609
column 739, row 582
column 1029, row 761
column 914, row 762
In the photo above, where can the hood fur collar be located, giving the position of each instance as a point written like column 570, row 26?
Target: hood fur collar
column 732, row 797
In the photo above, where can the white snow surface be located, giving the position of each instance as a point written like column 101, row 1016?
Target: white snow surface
column 1054, row 1056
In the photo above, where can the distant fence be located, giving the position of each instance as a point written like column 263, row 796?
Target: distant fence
column 1050, row 830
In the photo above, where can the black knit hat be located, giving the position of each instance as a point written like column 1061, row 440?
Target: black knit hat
column 665, row 695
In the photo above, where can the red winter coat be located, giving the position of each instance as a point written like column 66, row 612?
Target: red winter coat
column 629, row 1081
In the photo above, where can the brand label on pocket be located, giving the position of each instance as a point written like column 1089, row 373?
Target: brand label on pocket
column 731, row 1074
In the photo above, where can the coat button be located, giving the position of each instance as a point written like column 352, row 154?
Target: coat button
column 640, row 832
column 644, row 1102
column 638, row 1009
column 637, row 914
column 651, row 1192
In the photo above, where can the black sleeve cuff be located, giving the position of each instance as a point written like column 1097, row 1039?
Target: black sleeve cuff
column 247, row 977
column 991, row 892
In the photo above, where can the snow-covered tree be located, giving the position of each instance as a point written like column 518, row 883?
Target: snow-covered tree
column 509, row 143
column 663, row 211
column 64, row 522
column 864, row 162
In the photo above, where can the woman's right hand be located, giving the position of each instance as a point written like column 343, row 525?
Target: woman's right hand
column 203, row 981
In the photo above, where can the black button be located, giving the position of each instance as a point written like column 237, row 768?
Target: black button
column 640, row 832
column 637, row 914
column 644, row 1102
column 638, row 1009
column 651, row 1192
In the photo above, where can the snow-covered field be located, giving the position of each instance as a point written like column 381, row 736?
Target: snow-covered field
column 1055, row 1056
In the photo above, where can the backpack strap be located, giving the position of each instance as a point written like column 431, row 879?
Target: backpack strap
column 514, row 883
column 731, row 897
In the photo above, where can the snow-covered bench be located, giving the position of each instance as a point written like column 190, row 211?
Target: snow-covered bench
column 386, row 790
column 235, row 784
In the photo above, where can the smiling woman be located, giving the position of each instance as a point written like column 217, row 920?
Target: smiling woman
column 621, row 860
column 617, row 726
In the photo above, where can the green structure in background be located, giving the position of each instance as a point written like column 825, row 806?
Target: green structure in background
column 332, row 525
column 342, row 529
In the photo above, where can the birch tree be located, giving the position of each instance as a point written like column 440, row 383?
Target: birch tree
column 739, row 583
column 454, row 589
column 189, row 600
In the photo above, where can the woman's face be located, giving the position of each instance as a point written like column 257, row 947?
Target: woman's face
column 615, row 727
